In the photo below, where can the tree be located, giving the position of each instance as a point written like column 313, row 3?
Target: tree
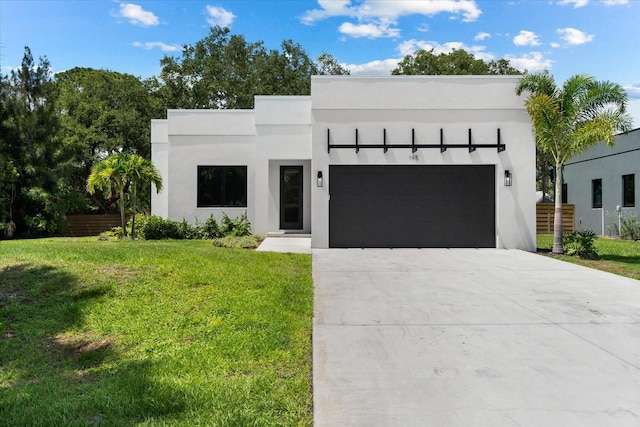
column 458, row 62
column 120, row 173
column 225, row 71
column 567, row 121
column 140, row 171
column 102, row 112
column 30, row 154
column 108, row 176
column 327, row 65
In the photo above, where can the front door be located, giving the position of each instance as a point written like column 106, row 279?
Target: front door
column 291, row 197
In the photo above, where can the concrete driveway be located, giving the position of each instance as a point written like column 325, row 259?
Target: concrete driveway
column 438, row 337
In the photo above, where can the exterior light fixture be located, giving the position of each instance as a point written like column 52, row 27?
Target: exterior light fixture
column 319, row 180
column 508, row 178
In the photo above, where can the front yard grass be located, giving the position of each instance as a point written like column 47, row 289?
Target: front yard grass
column 616, row 256
column 165, row 333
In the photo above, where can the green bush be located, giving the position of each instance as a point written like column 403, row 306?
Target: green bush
column 157, row 228
column 210, row 229
column 236, row 227
column 630, row 227
column 580, row 243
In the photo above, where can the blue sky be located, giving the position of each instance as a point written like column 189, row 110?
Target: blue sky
column 597, row 37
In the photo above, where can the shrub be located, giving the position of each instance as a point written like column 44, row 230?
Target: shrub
column 210, row 229
column 236, row 227
column 188, row 231
column 580, row 243
column 157, row 228
column 630, row 227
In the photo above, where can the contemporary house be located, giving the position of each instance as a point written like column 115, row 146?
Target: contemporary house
column 399, row 161
column 604, row 181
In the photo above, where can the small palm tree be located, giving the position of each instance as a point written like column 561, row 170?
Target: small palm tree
column 140, row 171
column 567, row 121
column 108, row 176
column 120, row 171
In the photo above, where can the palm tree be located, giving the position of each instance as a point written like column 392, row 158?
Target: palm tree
column 120, row 171
column 140, row 171
column 567, row 121
column 108, row 176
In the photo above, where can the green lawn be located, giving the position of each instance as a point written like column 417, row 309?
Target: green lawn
column 616, row 256
column 153, row 333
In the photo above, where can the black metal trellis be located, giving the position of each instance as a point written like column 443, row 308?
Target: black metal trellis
column 413, row 146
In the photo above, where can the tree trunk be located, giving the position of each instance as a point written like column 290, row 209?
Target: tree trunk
column 122, row 218
column 133, row 213
column 557, row 213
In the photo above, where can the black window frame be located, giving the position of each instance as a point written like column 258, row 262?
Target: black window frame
column 205, row 201
column 629, row 190
column 596, row 186
column 565, row 193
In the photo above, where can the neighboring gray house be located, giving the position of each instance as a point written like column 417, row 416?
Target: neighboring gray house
column 399, row 161
column 603, row 180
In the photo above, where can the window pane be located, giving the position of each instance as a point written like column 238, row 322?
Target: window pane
column 210, row 186
column 235, row 186
column 628, row 190
column 596, row 193
column 565, row 193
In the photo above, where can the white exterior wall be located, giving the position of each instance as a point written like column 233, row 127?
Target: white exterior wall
column 426, row 104
column 208, row 138
column 283, row 137
column 160, row 157
column 608, row 164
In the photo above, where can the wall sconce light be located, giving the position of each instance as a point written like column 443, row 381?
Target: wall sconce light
column 319, row 181
column 508, row 178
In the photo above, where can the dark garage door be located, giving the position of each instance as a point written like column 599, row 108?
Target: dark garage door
column 374, row 206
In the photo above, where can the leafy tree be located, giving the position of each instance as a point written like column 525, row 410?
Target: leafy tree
column 120, row 173
column 224, row 70
column 30, row 149
column 326, row 65
column 568, row 120
column 102, row 112
column 459, row 61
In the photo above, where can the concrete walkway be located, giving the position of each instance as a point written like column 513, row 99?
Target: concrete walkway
column 472, row 338
column 298, row 245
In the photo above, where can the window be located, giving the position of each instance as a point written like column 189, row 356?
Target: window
column 224, row 186
column 565, row 193
column 596, row 193
column 628, row 190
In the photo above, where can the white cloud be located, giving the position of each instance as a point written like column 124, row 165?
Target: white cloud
column 386, row 13
column 137, row 15
column 163, row 46
column 576, row 3
column 424, row 28
column 555, row 45
column 526, row 38
column 633, row 91
column 574, row 37
column 368, row 30
column 532, row 61
column 219, row 16
column 373, row 68
column 615, row 2
column 482, row 36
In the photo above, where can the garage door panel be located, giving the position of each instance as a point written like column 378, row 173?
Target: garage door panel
column 412, row 206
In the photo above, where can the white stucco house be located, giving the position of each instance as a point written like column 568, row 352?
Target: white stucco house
column 603, row 181
column 398, row 161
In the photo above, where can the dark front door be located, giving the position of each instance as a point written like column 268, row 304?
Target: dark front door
column 291, row 197
column 412, row 206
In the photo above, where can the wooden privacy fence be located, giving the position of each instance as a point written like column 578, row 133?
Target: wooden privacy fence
column 90, row 225
column 544, row 218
